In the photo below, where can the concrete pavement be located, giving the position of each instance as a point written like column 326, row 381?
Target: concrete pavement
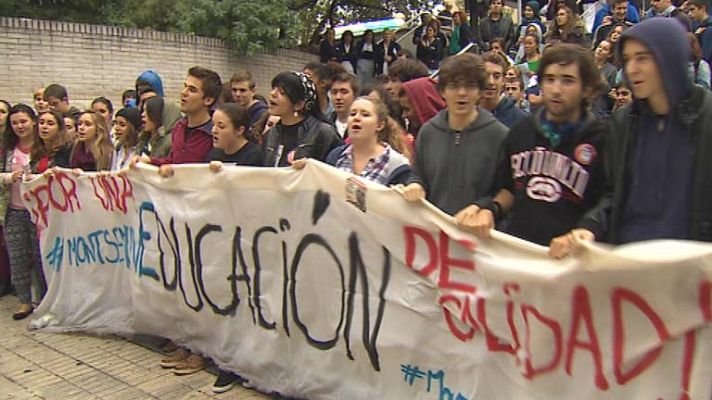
column 35, row 365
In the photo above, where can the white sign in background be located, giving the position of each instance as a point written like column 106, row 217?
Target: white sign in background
column 316, row 285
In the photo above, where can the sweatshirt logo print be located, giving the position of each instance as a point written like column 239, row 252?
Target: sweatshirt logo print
column 549, row 171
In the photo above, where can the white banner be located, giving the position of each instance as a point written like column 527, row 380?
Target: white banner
column 317, row 285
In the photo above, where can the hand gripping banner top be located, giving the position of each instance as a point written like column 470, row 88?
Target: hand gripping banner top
column 316, row 284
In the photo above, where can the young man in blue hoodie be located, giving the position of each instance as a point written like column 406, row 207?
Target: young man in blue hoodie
column 619, row 16
column 148, row 84
column 244, row 89
column 660, row 153
column 666, row 9
column 504, row 108
column 702, row 25
column 632, row 14
column 553, row 170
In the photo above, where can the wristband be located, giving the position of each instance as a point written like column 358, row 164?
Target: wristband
column 496, row 209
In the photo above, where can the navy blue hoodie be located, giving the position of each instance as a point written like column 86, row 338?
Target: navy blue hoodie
column 659, row 192
column 152, row 78
column 507, row 112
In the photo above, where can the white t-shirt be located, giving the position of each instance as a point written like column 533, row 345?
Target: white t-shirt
column 341, row 127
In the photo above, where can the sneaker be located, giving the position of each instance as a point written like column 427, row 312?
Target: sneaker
column 175, row 358
column 225, row 381
column 190, row 365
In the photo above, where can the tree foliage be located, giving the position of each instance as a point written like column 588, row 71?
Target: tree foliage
column 246, row 25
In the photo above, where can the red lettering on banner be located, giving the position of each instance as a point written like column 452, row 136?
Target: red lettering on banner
column 582, row 313
column 509, row 290
column 466, row 313
column 112, row 191
column 688, row 356
column 410, row 235
column 706, row 300
column 59, row 193
column 451, row 323
column 493, row 342
column 531, row 371
column 438, row 256
column 617, row 297
column 446, row 262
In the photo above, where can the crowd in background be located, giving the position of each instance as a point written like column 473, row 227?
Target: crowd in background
column 541, row 24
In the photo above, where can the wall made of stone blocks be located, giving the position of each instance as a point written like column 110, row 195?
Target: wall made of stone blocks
column 96, row 60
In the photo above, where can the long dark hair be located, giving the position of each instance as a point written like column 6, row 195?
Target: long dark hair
column 239, row 117
column 10, row 139
column 41, row 149
column 154, row 110
column 7, row 107
column 295, row 88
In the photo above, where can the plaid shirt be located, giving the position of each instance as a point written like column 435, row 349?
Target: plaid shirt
column 375, row 169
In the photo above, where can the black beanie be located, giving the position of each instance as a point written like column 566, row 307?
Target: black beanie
column 132, row 115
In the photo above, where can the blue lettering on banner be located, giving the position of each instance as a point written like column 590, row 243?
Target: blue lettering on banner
column 412, row 373
column 120, row 245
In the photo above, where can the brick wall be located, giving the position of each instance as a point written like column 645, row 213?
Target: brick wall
column 96, row 60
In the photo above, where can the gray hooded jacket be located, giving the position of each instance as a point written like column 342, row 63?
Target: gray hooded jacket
column 460, row 168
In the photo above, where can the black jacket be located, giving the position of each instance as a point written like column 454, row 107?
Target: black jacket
column 315, row 139
column 59, row 158
column 382, row 52
column 327, row 51
column 489, row 29
column 696, row 113
column 430, row 54
column 351, row 55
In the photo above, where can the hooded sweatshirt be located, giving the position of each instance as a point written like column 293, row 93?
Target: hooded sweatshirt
column 507, row 112
column 631, row 15
column 256, row 111
column 661, row 160
column 424, row 98
column 555, row 173
column 153, row 79
column 705, row 38
column 534, row 5
column 159, row 144
column 460, row 168
column 521, row 53
column 671, row 12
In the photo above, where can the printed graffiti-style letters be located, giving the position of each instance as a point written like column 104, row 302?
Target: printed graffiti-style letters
column 306, row 242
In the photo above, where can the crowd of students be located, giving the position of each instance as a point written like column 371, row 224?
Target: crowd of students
column 613, row 145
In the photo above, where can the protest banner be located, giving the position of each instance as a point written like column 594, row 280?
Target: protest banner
column 316, row 284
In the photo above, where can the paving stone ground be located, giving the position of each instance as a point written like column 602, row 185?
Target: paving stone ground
column 36, row 365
